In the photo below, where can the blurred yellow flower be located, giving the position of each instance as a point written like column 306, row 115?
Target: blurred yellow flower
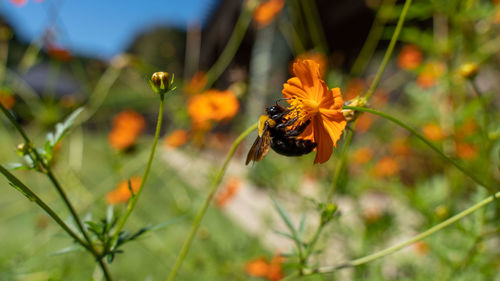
column 122, row 193
column 311, row 99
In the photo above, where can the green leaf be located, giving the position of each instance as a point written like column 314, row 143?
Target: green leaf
column 17, row 166
column 284, row 234
column 61, row 130
column 94, row 227
column 66, row 250
column 302, row 225
column 286, row 218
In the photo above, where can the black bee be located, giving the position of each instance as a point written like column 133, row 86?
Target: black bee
column 273, row 133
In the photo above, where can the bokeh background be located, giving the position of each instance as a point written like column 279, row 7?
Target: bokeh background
column 58, row 55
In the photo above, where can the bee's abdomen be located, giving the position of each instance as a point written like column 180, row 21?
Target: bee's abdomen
column 292, row 146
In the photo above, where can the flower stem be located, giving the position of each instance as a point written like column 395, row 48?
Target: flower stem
column 204, row 206
column 410, row 241
column 389, row 50
column 19, row 185
column 135, row 198
column 425, row 140
column 47, row 170
column 232, row 46
column 373, row 38
column 314, row 25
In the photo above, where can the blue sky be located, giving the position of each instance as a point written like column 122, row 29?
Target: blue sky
column 101, row 28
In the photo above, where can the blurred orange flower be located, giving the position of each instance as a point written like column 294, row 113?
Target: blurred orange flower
column 212, row 105
column 362, row 155
column 229, row 191
column 19, row 2
column 496, row 17
column 311, row 99
column 431, row 72
column 319, row 58
column 421, row 247
column 122, row 193
column 176, row 138
column 354, row 88
column 7, row 99
column 466, row 151
column 272, row 271
column 386, row 167
column 410, row 57
column 197, row 83
column 267, row 11
column 59, row 53
column 365, row 122
column 127, row 125
column 433, row 132
column 400, row 147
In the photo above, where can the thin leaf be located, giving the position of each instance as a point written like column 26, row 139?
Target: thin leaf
column 66, row 250
column 302, row 225
column 284, row 234
column 16, row 166
column 167, row 223
column 286, row 218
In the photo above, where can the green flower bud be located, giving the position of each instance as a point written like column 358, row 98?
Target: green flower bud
column 328, row 212
column 162, row 82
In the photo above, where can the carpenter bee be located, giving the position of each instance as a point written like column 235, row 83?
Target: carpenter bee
column 274, row 133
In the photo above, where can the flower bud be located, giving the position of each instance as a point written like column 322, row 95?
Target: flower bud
column 468, row 70
column 328, row 212
column 161, row 82
column 22, row 149
column 350, row 114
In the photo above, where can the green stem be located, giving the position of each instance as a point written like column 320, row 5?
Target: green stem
column 26, row 191
column 425, row 140
column 232, row 46
column 314, row 25
column 408, row 242
column 204, row 206
column 340, row 164
column 135, row 198
column 372, row 39
column 55, row 182
column 480, row 96
column 389, row 50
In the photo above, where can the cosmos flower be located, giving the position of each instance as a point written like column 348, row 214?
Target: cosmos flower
column 311, row 99
column 127, row 125
column 212, row 105
column 176, row 139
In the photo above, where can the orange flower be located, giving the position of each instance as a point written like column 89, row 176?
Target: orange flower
column 354, row 88
column 7, row 99
column 213, row 105
column 410, row 57
column 197, row 83
column 258, row 267
column 127, row 125
column 229, row 191
column 386, row 167
column 176, row 138
column 433, row 132
column 362, row 155
column 365, row 122
column 59, row 53
column 400, row 147
column 266, row 11
column 496, row 17
column 19, row 2
column 319, row 58
column 431, row 72
column 311, row 99
column 122, row 193
column 272, row 271
column 465, row 150
column 421, row 248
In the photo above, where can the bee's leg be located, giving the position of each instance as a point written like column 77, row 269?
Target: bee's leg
column 287, row 123
column 298, row 130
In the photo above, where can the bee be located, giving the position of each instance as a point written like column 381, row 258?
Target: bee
column 274, row 133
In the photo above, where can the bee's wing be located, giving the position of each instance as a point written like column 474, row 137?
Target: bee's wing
column 260, row 147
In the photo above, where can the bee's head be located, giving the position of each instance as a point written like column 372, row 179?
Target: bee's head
column 274, row 110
